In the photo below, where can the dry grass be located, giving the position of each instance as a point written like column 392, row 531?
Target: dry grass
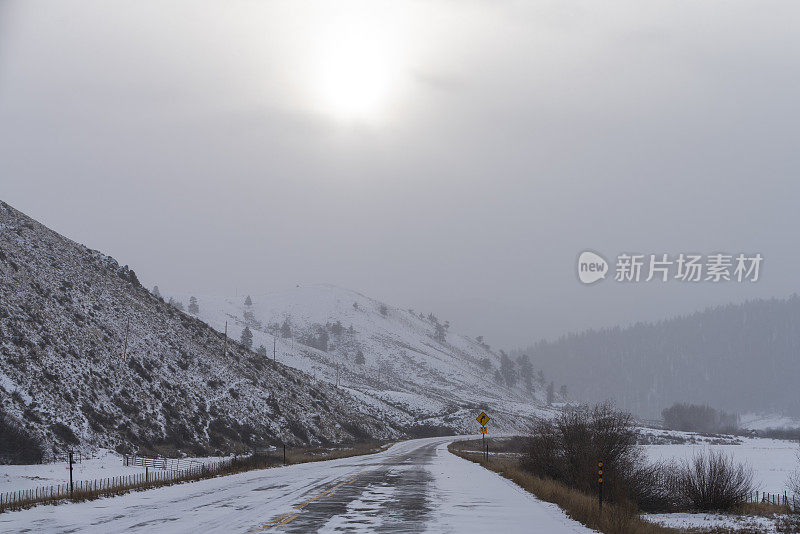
column 582, row 507
column 762, row 509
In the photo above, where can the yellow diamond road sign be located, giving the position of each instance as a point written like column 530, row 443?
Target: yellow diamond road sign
column 483, row 418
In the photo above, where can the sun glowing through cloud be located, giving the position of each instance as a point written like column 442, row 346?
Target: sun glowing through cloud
column 357, row 71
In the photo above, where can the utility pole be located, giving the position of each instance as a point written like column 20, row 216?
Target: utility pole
column 71, row 487
column 226, row 340
column 125, row 349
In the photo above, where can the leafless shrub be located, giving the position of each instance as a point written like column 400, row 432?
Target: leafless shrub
column 713, row 481
column 569, row 447
column 789, row 524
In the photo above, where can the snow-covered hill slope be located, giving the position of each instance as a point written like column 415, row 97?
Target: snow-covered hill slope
column 68, row 376
column 410, row 366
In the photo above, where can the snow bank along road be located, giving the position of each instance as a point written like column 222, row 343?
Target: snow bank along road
column 414, row 486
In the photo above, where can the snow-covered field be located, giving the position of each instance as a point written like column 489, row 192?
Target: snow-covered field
column 754, row 421
column 772, row 460
column 104, row 464
column 707, row 521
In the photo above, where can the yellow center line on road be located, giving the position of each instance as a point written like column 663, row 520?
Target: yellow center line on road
column 285, row 519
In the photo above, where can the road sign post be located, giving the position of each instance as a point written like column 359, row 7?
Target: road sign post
column 483, row 419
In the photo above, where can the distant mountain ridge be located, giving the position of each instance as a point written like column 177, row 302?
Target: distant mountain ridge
column 89, row 358
column 743, row 358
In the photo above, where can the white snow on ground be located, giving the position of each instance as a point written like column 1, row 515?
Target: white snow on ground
column 357, row 494
column 763, row 525
column 772, row 460
column 752, row 421
column 470, row 498
column 104, row 464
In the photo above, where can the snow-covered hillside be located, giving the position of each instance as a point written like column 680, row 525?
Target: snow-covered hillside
column 71, row 376
column 408, row 365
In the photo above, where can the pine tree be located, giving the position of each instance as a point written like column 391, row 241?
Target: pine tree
column 156, row 292
column 360, row 360
column 262, row 350
column 440, row 333
column 551, row 393
column 194, row 307
column 508, row 369
column 247, row 338
column 563, row 391
column 384, row 310
column 526, row 371
column 248, row 301
column 286, row 329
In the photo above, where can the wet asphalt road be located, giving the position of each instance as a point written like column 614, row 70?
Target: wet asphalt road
column 388, row 495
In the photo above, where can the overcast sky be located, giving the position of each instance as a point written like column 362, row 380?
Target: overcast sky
column 453, row 157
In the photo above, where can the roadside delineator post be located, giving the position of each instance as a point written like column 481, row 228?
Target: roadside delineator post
column 600, row 483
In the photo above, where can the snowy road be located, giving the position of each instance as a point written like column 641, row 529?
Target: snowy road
column 414, row 486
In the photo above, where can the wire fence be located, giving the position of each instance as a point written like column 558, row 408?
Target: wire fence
column 792, row 502
column 82, row 490
column 167, row 464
